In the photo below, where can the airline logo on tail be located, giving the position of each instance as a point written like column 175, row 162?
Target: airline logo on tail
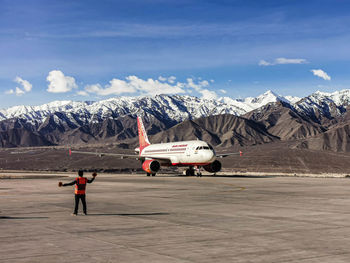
column 143, row 139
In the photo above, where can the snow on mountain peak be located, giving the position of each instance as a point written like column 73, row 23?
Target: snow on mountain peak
column 175, row 107
column 338, row 97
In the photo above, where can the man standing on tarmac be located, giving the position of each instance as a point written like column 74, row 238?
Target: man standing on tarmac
column 80, row 186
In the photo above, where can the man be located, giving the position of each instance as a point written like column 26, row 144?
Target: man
column 80, row 186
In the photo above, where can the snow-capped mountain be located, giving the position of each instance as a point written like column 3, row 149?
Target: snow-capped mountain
column 252, row 103
column 178, row 108
column 322, row 104
column 70, row 122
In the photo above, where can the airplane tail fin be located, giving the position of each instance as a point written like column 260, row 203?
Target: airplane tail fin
column 143, row 139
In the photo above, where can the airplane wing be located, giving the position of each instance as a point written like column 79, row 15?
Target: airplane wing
column 222, row 155
column 121, row 156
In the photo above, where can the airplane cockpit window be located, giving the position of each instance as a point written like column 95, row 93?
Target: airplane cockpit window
column 204, row 148
column 210, row 147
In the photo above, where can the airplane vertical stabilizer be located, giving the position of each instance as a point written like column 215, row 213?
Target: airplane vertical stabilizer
column 143, row 139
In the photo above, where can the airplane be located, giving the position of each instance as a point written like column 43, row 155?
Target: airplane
column 192, row 154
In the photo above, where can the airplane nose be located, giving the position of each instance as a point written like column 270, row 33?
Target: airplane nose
column 210, row 156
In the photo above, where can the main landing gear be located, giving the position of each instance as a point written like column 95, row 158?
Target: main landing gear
column 192, row 171
column 148, row 174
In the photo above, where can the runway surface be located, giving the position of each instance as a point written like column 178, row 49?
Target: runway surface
column 133, row 218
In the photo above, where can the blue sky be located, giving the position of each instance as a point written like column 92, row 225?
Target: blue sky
column 91, row 50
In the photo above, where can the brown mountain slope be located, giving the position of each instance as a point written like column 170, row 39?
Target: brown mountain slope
column 281, row 121
column 19, row 133
column 60, row 130
column 336, row 139
column 223, row 130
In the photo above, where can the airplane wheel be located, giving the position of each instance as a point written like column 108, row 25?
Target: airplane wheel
column 153, row 174
column 148, row 174
column 192, row 172
column 188, row 172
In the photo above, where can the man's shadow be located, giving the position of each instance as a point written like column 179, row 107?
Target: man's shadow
column 128, row 214
column 23, row 217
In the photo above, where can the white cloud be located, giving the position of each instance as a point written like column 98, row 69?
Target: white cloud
column 59, row 83
column 117, row 87
column 25, row 84
column 204, row 83
column 19, row 92
column 153, row 87
column 26, row 87
column 82, row 93
column 283, row 61
column 264, row 63
column 191, row 84
column 133, row 84
column 208, row 94
column 9, row 92
column 199, row 87
column 171, row 79
column 196, row 86
column 290, row 61
column 320, row 73
column 223, row 91
column 95, row 88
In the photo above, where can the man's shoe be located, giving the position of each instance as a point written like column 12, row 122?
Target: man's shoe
column 85, row 213
column 74, row 214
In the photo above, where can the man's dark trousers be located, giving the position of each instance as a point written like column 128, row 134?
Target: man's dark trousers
column 83, row 200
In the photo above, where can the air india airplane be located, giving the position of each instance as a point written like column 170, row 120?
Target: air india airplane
column 193, row 154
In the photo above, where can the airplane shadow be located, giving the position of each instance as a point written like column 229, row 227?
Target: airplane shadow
column 241, row 176
column 129, row 214
column 23, row 217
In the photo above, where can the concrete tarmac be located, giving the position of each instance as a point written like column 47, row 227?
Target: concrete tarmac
column 134, row 218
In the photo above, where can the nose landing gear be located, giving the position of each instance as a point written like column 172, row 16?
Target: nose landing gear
column 192, row 171
column 199, row 173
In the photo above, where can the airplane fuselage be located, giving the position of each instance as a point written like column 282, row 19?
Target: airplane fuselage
column 184, row 153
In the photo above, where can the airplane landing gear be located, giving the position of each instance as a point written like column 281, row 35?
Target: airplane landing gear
column 190, row 171
column 199, row 174
column 194, row 171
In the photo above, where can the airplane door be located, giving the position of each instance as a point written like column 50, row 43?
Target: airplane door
column 188, row 151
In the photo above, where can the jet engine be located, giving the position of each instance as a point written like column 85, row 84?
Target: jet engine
column 213, row 167
column 151, row 166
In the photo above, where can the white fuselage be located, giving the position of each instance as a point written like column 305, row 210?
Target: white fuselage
column 181, row 153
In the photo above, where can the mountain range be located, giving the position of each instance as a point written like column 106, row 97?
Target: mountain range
column 320, row 121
